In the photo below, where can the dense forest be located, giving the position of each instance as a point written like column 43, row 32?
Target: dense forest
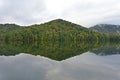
column 56, row 30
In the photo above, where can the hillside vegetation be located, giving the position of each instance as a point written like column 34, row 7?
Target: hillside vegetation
column 56, row 30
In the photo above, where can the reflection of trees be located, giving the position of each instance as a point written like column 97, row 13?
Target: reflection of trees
column 54, row 50
column 107, row 50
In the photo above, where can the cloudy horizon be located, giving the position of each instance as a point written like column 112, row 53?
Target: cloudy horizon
column 86, row 13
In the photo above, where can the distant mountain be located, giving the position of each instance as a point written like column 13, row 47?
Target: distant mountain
column 106, row 28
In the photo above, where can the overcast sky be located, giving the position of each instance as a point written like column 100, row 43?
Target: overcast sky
column 83, row 12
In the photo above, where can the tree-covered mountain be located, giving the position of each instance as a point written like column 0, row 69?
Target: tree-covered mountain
column 106, row 28
column 4, row 28
column 55, row 30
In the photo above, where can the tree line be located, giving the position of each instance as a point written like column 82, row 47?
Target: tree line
column 56, row 30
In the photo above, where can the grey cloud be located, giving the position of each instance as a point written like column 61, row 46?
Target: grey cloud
column 87, row 13
column 22, row 11
column 91, row 13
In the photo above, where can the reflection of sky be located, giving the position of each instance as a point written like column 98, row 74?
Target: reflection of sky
column 87, row 66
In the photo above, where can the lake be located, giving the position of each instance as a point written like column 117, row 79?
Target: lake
column 56, row 61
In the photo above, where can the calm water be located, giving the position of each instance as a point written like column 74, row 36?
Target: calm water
column 101, row 63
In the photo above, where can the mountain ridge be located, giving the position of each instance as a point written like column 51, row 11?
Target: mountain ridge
column 106, row 28
column 55, row 30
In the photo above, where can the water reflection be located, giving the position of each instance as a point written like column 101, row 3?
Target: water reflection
column 87, row 66
column 59, row 61
column 107, row 50
column 54, row 50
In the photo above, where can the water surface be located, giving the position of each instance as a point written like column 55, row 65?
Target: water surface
column 101, row 63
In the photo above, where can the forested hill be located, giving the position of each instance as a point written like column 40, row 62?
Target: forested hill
column 54, row 25
column 4, row 28
column 58, row 25
column 56, row 30
column 107, row 28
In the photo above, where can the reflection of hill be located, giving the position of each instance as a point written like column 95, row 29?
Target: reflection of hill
column 108, row 50
column 57, row 50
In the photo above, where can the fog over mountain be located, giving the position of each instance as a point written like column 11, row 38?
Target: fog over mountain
column 107, row 28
